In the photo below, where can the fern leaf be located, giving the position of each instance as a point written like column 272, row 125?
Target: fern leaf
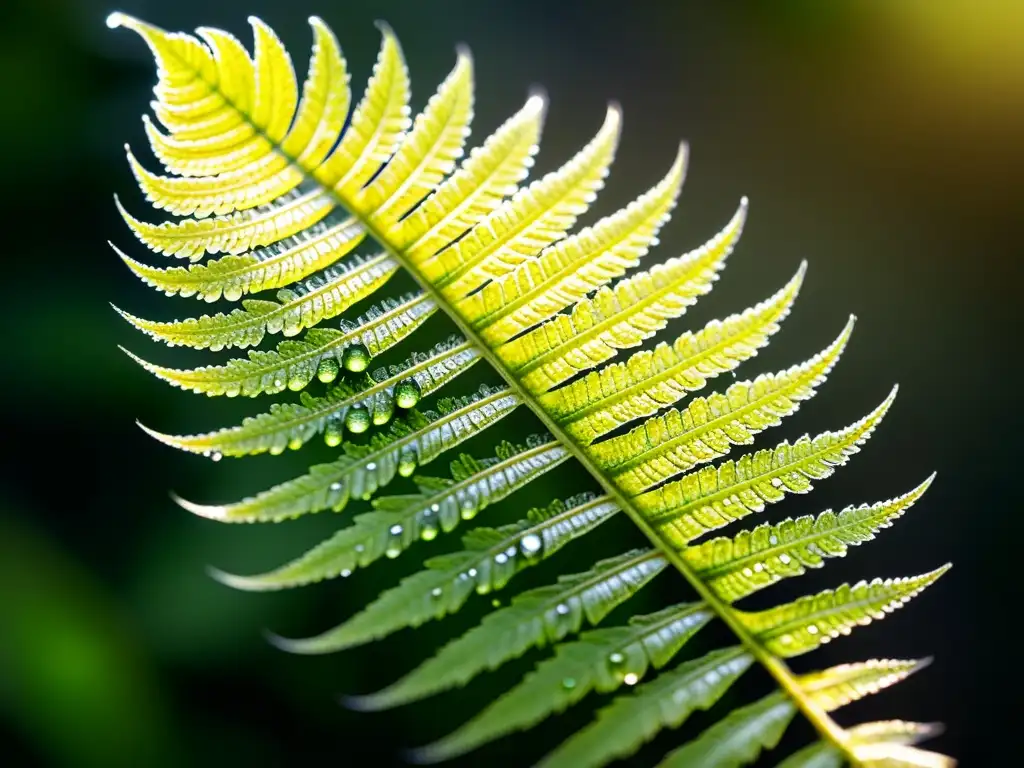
column 426, row 156
column 601, row 660
column 287, row 185
column 233, row 276
column 715, row 496
column 826, row 755
column 268, row 174
column 615, row 318
column 318, row 298
column 677, row 441
column 665, row 702
column 399, row 521
column 533, row 218
column 235, row 233
column 821, row 754
column 365, row 468
column 753, row 560
column 649, row 380
column 803, row 625
column 738, row 738
column 885, row 755
column 836, row 687
column 291, row 425
column 377, row 127
column 295, row 362
column 490, row 173
column 894, row 732
column 567, row 271
column 491, row 558
column 534, row 618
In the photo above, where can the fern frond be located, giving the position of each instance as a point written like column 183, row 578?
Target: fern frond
column 490, row 173
column 296, row 362
column 715, row 496
column 399, row 521
column 615, row 318
column 291, row 425
column 567, row 271
column 601, row 660
column 826, row 755
column 492, row 556
column 738, row 738
column 840, row 685
column 532, row 218
column 318, row 298
column 621, row 392
column 753, row 560
column 287, row 185
column 234, row 276
column 665, row 702
column 534, row 618
column 363, row 469
column 803, row 625
column 234, row 233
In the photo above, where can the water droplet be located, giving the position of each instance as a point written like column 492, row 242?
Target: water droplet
column 436, row 592
column 407, row 463
column 295, row 443
column 630, row 678
column 276, row 449
column 776, row 482
column 501, row 558
column 615, row 662
column 233, row 390
column 472, row 573
column 394, row 545
column 435, row 508
column 467, row 510
column 278, row 383
column 216, row 456
column 357, row 419
column 758, row 567
column 531, row 545
column 784, row 558
column 335, row 486
column 568, row 683
column 355, row 358
column 785, row 639
column 407, row 393
column 726, row 502
column 360, row 548
column 296, row 382
column 428, row 526
column 371, row 466
column 747, row 572
column 206, row 454
column 773, row 539
column 562, row 609
column 327, row 370
column 812, row 630
column 510, row 552
column 383, row 408
column 333, row 431
column 346, row 573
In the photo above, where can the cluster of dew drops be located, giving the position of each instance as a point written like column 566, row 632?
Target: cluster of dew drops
column 358, row 418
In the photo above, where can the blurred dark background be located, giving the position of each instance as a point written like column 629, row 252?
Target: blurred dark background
column 880, row 141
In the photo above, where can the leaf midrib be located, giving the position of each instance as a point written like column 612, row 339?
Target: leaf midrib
column 775, row 666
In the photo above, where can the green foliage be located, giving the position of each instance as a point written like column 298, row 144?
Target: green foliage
column 286, row 184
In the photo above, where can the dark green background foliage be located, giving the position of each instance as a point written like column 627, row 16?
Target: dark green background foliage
column 884, row 146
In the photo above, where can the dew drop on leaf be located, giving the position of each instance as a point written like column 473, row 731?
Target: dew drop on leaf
column 356, row 358
column 407, row 393
column 357, row 419
column 327, row 370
